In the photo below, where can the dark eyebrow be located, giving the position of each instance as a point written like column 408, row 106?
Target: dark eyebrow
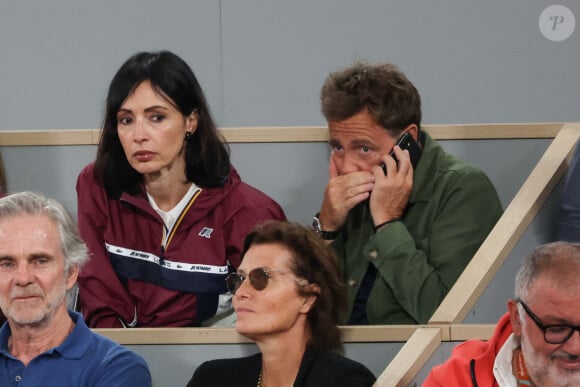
column 549, row 317
column 265, row 268
column 149, row 109
column 362, row 142
column 156, row 107
column 40, row 255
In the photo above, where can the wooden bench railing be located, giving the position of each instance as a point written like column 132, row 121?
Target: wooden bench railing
column 486, row 261
column 421, row 340
column 147, row 336
column 288, row 134
column 510, row 227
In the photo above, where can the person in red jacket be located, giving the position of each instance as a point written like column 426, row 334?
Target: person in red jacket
column 537, row 343
column 162, row 210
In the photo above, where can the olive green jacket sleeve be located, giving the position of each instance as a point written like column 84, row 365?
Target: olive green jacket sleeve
column 452, row 209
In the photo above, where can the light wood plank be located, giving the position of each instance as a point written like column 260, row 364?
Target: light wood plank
column 275, row 134
column 508, row 230
column 462, row 332
column 49, row 137
column 350, row 334
column 411, row 358
column 379, row 333
column 493, row 131
column 55, row 137
column 164, row 336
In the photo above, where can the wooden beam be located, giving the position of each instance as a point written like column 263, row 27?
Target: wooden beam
column 508, row 230
column 411, row 358
column 462, row 332
column 164, row 336
column 49, row 137
column 350, row 334
column 377, row 333
column 55, row 137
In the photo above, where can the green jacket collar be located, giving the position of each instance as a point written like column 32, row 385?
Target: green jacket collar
column 427, row 168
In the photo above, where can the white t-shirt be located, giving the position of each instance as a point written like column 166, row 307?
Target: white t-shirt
column 171, row 216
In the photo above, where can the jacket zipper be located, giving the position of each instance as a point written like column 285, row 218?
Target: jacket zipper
column 472, row 372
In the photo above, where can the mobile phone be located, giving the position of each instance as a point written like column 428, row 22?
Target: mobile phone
column 406, row 141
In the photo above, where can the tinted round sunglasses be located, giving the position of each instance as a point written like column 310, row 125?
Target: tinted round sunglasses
column 258, row 278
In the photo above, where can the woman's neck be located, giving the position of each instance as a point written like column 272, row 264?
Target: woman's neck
column 281, row 361
column 167, row 189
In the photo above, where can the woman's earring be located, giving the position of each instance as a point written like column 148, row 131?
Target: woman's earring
column 188, row 136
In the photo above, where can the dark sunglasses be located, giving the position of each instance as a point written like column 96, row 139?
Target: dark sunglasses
column 553, row 333
column 258, row 279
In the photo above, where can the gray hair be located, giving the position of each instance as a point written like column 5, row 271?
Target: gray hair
column 74, row 250
column 559, row 260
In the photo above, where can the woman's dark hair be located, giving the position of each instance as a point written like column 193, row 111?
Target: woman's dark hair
column 317, row 263
column 207, row 160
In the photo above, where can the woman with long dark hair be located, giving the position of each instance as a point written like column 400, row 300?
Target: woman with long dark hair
column 162, row 209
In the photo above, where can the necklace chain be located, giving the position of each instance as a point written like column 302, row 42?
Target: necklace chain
column 260, row 379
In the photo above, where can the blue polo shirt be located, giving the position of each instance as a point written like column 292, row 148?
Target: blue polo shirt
column 84, row 359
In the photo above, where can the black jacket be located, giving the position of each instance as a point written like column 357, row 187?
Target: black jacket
column 317, row 369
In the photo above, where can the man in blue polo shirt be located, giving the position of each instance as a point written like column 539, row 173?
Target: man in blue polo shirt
column 42, row 343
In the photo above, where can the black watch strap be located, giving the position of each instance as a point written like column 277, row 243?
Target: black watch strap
column 326, row 235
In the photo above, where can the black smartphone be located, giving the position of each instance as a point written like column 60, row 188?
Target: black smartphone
column 406, row 141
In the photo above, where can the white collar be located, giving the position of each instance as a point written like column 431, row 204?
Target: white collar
column 502, row 366
column 170, row 217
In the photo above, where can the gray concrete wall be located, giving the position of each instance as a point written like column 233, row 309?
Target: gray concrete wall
column 262, row 63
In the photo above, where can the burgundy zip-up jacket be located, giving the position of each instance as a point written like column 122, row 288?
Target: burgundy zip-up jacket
column 132, row 279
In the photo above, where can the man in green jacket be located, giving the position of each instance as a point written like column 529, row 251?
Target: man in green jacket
column 405, row 218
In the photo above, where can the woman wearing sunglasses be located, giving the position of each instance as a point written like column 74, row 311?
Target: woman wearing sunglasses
column 288, row 298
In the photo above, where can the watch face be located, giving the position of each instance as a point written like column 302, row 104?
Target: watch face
column 316, row 225
column 326, row 235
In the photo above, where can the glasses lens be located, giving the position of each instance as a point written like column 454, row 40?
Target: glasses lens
column 259, row 278
column 233, row 282
column 557, row 334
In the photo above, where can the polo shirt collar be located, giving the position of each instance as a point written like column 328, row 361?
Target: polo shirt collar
column 73, row 347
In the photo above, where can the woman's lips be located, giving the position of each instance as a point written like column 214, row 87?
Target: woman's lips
column 143, row 156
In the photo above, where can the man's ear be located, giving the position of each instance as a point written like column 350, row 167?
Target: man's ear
column 71, row 276
column 515, row 317
column 413, row 130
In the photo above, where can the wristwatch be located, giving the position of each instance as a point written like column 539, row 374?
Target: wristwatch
column 326, row 235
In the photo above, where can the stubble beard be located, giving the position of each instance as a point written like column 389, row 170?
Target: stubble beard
column 543, row 369
column 44, row 314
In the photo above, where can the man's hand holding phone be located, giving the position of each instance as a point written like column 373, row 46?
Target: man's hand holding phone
column 392, row 189
column 342, row 193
